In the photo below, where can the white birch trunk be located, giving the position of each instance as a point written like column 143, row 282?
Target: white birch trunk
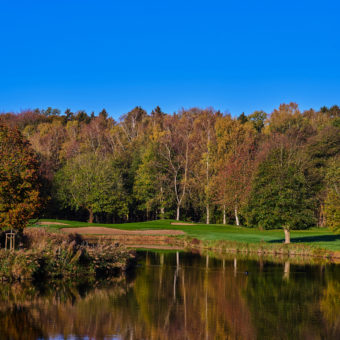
column 208, row 214
column 224, row 215
column 177, row 215
column 162, row 204
column 236, row 217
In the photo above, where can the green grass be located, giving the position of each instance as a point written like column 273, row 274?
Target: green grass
column 316, row 237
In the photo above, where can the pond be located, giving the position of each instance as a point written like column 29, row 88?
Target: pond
column 181, row 296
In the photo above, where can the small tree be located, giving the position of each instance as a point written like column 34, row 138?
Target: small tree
column 19, row 180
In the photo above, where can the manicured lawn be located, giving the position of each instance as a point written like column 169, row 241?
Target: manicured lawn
column 322, row 238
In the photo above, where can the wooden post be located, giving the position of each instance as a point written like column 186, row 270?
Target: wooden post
column 10, row 240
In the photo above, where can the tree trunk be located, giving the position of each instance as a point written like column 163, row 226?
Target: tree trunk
column 261, row 264
column 208, row 214
column 175, row 279
column 224, row 215
column 162, row 213
column 162, row 204
column 177, row 216
column 286, row 270
column 236, row 217
column 90, row 215
column 185, row 304
column 287, row 235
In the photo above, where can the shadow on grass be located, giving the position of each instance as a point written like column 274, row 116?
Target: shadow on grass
column 310, row 239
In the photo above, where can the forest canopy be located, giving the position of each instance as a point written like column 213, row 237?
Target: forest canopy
column 266, row 170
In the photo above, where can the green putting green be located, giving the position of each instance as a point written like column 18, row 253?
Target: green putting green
column 318, row 237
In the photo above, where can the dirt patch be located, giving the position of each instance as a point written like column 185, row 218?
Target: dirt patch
column 179, row 223
column 157, row 247
column 51, row 223
column 111, row 231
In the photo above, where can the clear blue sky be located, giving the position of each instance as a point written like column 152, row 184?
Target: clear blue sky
column 232, row 55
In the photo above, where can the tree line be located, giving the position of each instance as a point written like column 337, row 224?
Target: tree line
column 263, row 170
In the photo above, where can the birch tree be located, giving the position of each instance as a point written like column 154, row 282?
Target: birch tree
column 235, row 148
column 175, row 148
column 204, row 140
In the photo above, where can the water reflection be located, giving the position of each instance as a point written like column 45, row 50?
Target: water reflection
column 181, row 296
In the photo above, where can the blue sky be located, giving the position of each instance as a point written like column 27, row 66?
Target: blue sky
column 235, row 56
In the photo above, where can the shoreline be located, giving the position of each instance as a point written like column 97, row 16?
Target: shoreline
column 174, row 242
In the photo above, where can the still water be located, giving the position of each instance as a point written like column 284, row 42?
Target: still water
column 181, row 296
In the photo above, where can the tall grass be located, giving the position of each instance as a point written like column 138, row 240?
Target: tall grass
column 45, row 254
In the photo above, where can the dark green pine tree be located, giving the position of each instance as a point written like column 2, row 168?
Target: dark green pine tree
column 242, row 118
column 280, row 197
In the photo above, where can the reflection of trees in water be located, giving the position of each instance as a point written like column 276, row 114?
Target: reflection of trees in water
column 182, row 297
column 179, row 302
column 59, row 309
column 330, row 306
column 287, row 306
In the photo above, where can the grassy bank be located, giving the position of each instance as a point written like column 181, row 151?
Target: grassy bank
column 313, row 241
column 321, row 238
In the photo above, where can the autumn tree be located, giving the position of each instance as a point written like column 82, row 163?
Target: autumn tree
column 284, row 118
column 233, row 164
column 234, row 178
column 47, row 141
column 20, row 198
column 203, row 170
column 175, row 149
column 132, row 122
column 258, row 119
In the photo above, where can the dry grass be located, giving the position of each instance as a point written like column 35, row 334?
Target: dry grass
column 48, row 254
